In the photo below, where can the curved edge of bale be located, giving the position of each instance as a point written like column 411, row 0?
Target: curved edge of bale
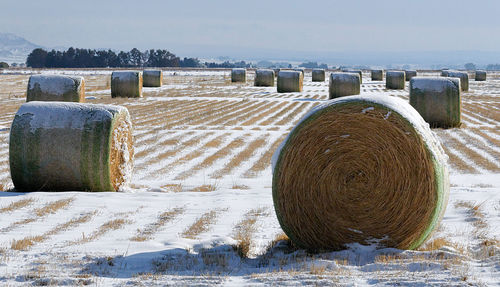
column 121, row 150
column 75, row 94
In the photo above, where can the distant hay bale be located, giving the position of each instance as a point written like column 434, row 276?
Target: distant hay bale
column 290, row 81
column 276, row 71
column 395, row 80
column 444, row 72
column 360, row 169
column 357, row 72
column 344, row 84
column 56, row 88
column 464, row 79
column 70, row 146
column 264, row 78
column 238, row 75
column 377, row 75
column 480, row 76
column 437, row 100
column 152, row 78
column 126, row 84
column 410, row 74
column 318, row 75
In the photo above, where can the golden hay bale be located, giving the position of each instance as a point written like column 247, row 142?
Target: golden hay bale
column 126, row 84
column 152, row 78
column 238, row 75
column 56, row 88
column 395, row 80
column 344, row 84
column 437, row 100
column 463, row 76
column 377, row 75
column 360, row 169
column 264, row 78
column 70, row 146
column 480, row 76
column 410, row 74
column 318, row 75
column 356, row 72
column 290, row 81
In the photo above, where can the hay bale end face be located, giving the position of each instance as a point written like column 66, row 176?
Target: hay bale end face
column 341, row 176
column 344, row 84
column 437, row 100
column 126, row 84
column 395, row 80
column 410, row 74
column 56, row 88
column 290, row 81
column 238, row 75
column 152, row 78
column 377, row 75
column 318, row 75
column 264, row 78
column 70, row 147
column 480, row 76
column 464, row 79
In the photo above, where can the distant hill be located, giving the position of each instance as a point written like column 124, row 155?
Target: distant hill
column 15, row 49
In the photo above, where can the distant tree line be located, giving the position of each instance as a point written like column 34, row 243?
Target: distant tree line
column 89, row 58
column 493, row 67
column 3, row 65
column 313, row 65
column 227, row 64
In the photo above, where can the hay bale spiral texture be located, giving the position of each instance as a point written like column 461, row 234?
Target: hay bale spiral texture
column 464, row 79
column 480, row 76
column 360, row 169
column 344, row 84
column 70, row 147
column 126, row 84
column 264, row 78
column 318, row 75
column 152, row 78
column 290, row 81
column 410, row 74
column 437, row 100
column 56, row 88
column 377, row 75
column 395, row 80
column 238, row 75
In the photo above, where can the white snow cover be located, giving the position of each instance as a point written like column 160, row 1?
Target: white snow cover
column 238, row 71
column 55, row 84
column 126, row 75
column 434, row 84
column 264, row 72
column 394, row 73
column 289, row 74
column 344, row 76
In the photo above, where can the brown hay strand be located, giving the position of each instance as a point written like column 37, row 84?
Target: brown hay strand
column 345, row 176
column 122, row 135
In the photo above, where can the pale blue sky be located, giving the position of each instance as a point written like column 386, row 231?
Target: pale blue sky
column 194, row 27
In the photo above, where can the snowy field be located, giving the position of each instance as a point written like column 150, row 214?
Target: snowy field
column 199, row 211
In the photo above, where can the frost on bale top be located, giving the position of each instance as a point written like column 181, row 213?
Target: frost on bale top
column 54, row 84
column 434, row 84
column 289, row 74
column 265, row 72
column 238, row 70
column 125, row 75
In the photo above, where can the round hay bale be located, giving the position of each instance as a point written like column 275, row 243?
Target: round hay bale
column 344, row 84
column 276, row 71
column 290, row 81
column 444, row 73
column 56, row 88
column 377, row 75
column 395, row 80
column 360, row 169
column 303, row 71
column 437, row 100
column 480, row 76
column 357, row 72
column 264, row 78
column 126, row 84
column 464, row 79
column 318, row 75
column 70, row 147
column 238, row 75
column 152, row 78
column 410, row 74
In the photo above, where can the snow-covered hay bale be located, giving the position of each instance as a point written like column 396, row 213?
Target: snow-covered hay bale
column 301, row 70
column 238, row 75
column 56, row 88
column 264, row 78
column 360, row 169
column 152, row 78
column 480, row 76
column 377, row 75
column 437, row 100
column 290, row 81
column 318, row 75
column 464, row 79
column 410, row 74
column 126, row 84
column 356, row 72
column 344, row 84
column 444, row 73
column 70, row 146
column 395, row 80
